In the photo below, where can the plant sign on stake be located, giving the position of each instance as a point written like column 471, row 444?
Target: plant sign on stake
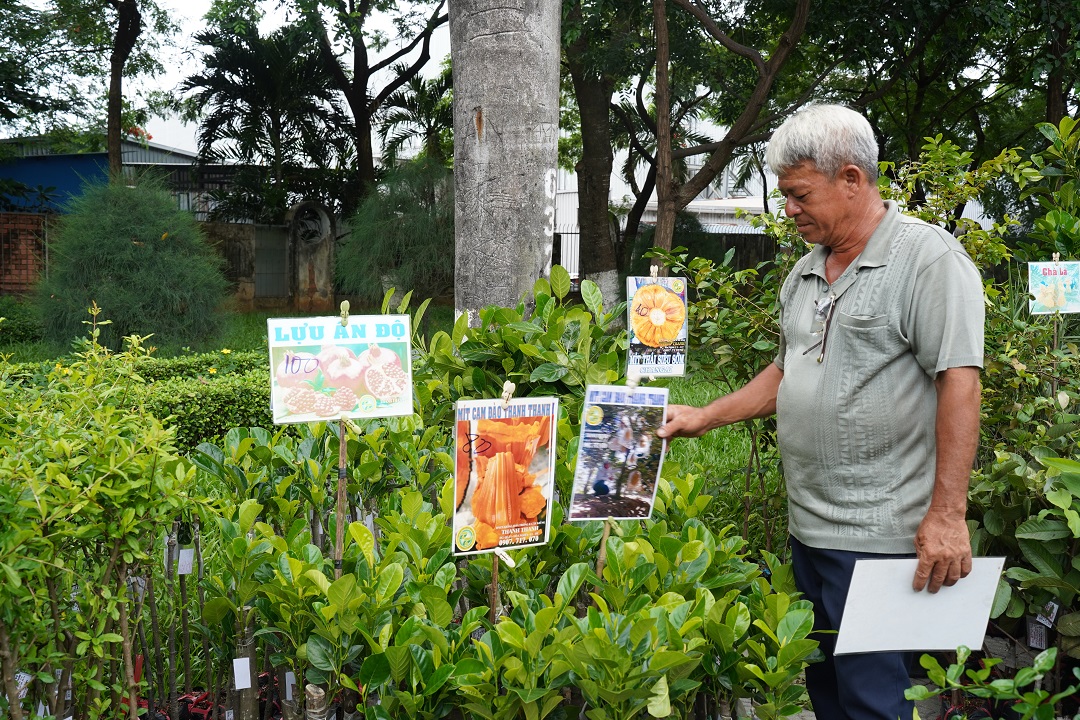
column 657, row 322
column 619, row 456
column 351, row 366
column 505, row 473
column 1054, row 287
column 357, row 366
column 504, row 476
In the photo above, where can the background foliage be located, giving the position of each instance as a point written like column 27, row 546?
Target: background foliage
column 130, row 250
column 402, row 236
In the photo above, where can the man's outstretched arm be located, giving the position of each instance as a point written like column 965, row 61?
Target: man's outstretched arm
column 755, row 399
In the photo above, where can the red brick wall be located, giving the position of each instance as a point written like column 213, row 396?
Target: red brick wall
column 22, row 251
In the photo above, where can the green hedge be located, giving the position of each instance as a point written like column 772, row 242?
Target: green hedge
column 203, row 409
column 203, row 395
column 155, row 369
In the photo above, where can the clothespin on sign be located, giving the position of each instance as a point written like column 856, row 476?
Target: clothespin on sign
column 507, row 393
column 653, row 271
column 1057, row 258
column 634, row 378
column 505, row 557
column 344, row 313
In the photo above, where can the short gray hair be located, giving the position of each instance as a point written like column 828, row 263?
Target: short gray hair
column 830, row 136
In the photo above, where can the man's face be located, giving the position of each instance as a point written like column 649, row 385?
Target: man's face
column 819, row 205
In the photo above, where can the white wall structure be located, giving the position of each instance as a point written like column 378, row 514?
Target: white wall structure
column 715, row 209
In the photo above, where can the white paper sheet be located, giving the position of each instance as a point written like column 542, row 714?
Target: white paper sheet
column 883, row 613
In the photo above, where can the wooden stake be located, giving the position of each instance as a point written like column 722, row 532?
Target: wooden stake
column 601, row 559
column 174, row 705
column 493, row 612
column 339, row 524
column 155, row 629
column 1054, row 362
column 126, row 643
column 207, row 660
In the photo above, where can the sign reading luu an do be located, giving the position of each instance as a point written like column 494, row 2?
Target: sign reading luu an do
column 321, row 369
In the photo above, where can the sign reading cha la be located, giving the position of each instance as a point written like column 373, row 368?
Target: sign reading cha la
column 1054, row 287
column 321, row 369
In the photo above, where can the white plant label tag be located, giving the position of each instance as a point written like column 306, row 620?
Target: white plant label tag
column 242, row 673
column 290, row 683
column 187, row 561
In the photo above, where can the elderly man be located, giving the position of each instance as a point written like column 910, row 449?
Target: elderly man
column 876, row 391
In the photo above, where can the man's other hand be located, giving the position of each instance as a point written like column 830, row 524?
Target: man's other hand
column 943, row 546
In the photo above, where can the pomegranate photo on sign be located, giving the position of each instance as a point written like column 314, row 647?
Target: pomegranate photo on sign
column 376, row 356
column 386, row 382
column 342, row 369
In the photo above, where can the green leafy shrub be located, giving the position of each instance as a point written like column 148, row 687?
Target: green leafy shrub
column 402, row 236
column 87, row 478
column 1027, row 703
column 557, row 350
column 146, row 263
column 21, row 323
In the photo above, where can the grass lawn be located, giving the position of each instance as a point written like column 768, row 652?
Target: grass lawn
column 721, row 456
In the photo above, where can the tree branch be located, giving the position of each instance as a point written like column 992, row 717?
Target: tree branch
column 720, row 36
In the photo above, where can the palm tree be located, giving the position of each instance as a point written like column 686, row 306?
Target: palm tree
column 267, row 103
column 422, row 111
column 749, row 161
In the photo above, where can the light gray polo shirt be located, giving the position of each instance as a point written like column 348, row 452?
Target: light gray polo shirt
column 856, row 430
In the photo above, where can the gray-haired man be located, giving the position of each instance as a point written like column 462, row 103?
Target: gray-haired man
column 876, row 391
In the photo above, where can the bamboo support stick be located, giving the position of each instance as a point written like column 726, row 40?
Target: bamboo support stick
column 125, row 643
column 155, row 630
column 601, row 559
column 140, row 628
column 207, row 660
column 184, row 624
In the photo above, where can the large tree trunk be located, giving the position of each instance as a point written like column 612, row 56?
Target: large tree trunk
column 506, row 119
column 665, row 179
column 597, row 243
column 1055, row 79
column 128, row 27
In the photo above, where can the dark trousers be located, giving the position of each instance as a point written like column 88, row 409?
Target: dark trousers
column 846, row 687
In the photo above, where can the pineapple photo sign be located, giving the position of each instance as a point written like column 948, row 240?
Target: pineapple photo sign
column 1054, row 287
column 323, row 370
column 656, row 315
column 619, row 456
column 504, row 473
